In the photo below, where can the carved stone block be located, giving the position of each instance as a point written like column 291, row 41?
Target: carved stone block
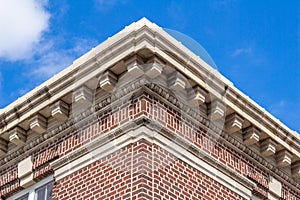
column 60, row 110
column 216, row 110
column 154, row 67
column 38, row 123
column 25, row 172
column 25, row 167
column 83, row 96
column 198, row 94
column 275, row 188
column 251, row 136
column 233, row 123
column 17, row 136
column 268, row 147
column 176, row 81
column 284, row 158
column 27, row 181
column 108, row 81
column 135, row 66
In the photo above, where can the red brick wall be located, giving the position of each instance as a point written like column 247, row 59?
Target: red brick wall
column 133, row 173
column 108, row 178
column 9, row 182
column 288, row 193
column 156, row 111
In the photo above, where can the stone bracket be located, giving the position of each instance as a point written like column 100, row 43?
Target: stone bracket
column 83, row 95
column 233, row 123
column 60, row 110
column 198, row 94
column 108, row 81
column 27, row 181
column 268, row 147
column 176, row 81
column 17, row 136
column 135, row 66
column 154, row 67
column 216, row 110
column 284, row 158
column 251, row 136
column 38, row 123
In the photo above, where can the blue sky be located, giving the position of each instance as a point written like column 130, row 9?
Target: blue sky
column 255, row 44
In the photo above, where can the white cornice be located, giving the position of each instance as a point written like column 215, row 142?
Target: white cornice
column 137, row 36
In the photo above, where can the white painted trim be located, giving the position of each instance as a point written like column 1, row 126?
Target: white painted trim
column 156, row 138
column 31, row 190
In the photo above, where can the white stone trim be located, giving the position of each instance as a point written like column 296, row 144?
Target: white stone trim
column 153, row 137
column 216, row 110
column 60, row 110
column 25, row 173
column 284, row 158
column 17, row 136
column 275, row 188
column 251, row 136
column 154, row 67
column 38, row 123
column 176, row 81
column 268, row 147
column 233, row 123
column 198, row 94
column 108, row 81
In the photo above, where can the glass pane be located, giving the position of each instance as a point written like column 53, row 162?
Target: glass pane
column 40, row 194
column 49, row 191
column 44, row 193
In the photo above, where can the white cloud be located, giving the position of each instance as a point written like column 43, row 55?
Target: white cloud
column 50, row 64
column 52, row 60
column 22, row 24
column 241, row 51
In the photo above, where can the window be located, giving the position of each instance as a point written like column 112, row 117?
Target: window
column 25, row 197
column 44, row 192
column 39, row 191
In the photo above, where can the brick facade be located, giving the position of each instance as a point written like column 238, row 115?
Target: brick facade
column 113, row 177
column 131, row 173
column 143, row 141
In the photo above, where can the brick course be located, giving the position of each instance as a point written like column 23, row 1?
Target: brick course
column 166, row 116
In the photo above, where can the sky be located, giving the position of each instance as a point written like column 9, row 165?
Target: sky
column 255, row 44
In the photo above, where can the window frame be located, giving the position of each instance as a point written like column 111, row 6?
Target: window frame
column 31, row 191
column 22, row 197
column 43, row 187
